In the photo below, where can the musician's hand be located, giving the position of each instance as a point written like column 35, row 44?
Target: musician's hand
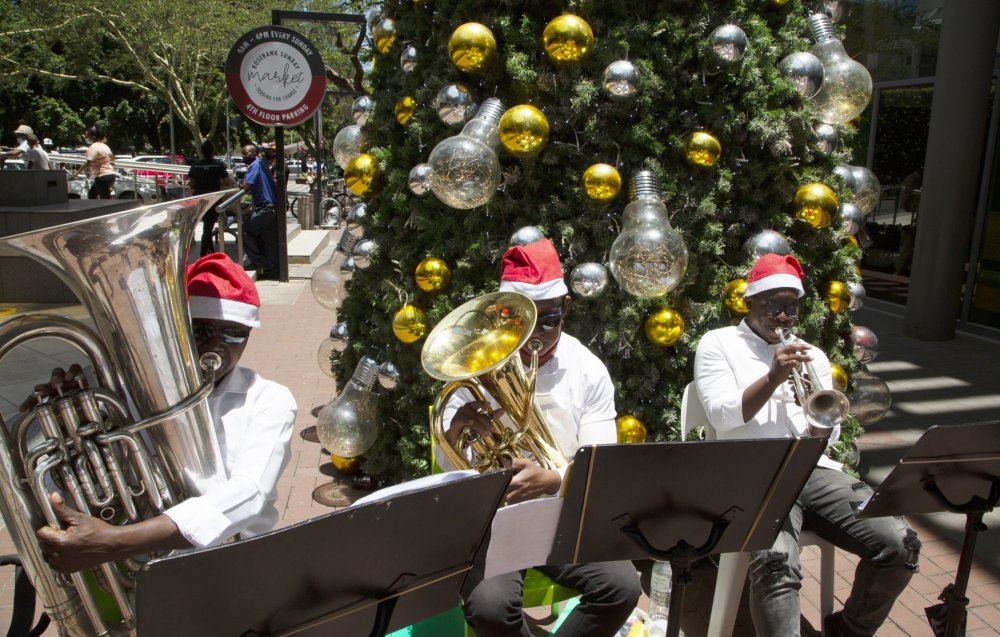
column 787, row 358
column 530, row 481
column 475, row 417
column 84, row 542
column 61, row 380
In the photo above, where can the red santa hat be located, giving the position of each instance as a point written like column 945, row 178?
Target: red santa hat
column 534, row 271
column 773, row 271
column 219, row 289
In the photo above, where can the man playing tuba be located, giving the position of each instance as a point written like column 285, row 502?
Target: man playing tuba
column 741, row 375
column 574, row 393
column 253, row 418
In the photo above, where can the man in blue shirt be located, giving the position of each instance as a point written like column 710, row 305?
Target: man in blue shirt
column 260, row 239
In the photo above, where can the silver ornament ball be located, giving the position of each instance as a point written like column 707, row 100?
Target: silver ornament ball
column 347, row 144
column 845, row 172
column 729, row 43
column 766, row 242
column 589, row 280
column 388, row 376
column 865, row 344
column 858, row 296
column 340, row 336
column 356, row 215
column 852, row 217
column 348, row 266
column 455, row 104
column 867, row 189
column 524, row 236
column 621, row 79
column 827, row 139
column 408, row 58
column 362, row 253
column 361, row 109
column 804, row 71
column 420, row 179
column 836, row 9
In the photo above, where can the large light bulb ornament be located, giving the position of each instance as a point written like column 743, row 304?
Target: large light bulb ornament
column 649, row 258
column 347, row 425
column 847, row 85
column 465, row 171
column 329, row 280
column 347, row 144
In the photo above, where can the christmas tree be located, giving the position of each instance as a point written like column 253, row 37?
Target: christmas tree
column 701, row 95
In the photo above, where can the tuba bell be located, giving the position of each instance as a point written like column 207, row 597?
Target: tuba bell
column 119, row 453
column 476, row 346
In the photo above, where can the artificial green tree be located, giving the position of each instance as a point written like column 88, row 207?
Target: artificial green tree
column 769, row 149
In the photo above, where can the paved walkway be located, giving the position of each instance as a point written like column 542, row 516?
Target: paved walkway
column 932, row 384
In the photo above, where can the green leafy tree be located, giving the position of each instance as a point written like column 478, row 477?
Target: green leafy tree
column 768, row 151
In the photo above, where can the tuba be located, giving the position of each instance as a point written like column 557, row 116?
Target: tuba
column 824, row 409
column 122, row 454
column 476, row 346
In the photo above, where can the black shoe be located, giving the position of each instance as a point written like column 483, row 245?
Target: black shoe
column 267, row 275
column 833, row 626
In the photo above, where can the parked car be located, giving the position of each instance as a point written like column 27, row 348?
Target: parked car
column 14, row 164
column 126, row 186
column 162, row 178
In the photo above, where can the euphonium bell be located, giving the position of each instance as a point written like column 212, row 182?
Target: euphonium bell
column 476, row 346
column 824, row 409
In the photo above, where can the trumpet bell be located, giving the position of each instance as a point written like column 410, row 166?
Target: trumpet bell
column 478, row 336
column 825, row 409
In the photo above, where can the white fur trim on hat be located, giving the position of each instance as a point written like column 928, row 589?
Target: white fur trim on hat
column 556, row 288
column 773, row 282
column 207, row 307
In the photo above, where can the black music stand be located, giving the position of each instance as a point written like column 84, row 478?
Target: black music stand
column 950, row 468
column 358, row 572
column 679, row 501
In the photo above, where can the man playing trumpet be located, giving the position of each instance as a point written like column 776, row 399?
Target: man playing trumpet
column 742, row 377
column 575, row 395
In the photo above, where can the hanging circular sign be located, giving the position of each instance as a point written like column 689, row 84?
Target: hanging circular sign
column 276, row 76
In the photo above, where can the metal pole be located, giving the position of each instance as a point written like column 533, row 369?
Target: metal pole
column 172, row 152
column 316, row 213
column 229, row 149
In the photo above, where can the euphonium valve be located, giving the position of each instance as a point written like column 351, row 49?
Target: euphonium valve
column 824, row 409
column 476, row 347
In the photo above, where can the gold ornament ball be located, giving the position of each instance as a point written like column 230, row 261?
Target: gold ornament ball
column 602, row 182
column 664, row 327
column 360, row 172
column 733, row 297
column 346, row 466
column 839, row 377
column 630, row 429
column 702, row 149
column 852, row 240
column 433, row 275
column 837, row 296
column 523, row 131
column 816, row 204
column 568, row 40
column 409, row 324
column 472, row 47
column 776, row 4
column 405, row 108
column 424, row 2
column 384, row 33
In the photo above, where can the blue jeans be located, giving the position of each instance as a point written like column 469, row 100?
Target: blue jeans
column 887, row 546
column 260, row 240
column 608, row 591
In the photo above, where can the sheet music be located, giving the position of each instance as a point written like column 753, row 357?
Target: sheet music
column 523, row 535
column 415, row 485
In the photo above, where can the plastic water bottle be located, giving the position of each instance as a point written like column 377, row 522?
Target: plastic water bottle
column 659, row 598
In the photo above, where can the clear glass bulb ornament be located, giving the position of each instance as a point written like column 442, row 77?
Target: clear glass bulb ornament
column 347, row 425
column 329, row 280
column 465, row 171
column 649, row 258
column 347, row 144
column 847, row 85
column 336, row 344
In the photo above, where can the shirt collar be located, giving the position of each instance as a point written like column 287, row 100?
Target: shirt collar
column 746, row 332
column 237, row 381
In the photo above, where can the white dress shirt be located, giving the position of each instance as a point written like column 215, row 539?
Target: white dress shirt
column 253, row 420
column 730, row 359
column 573, row 391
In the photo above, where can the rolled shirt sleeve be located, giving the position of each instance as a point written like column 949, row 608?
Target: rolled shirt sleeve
column 257, row 441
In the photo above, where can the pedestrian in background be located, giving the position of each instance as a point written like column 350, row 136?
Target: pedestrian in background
column 260, row 239
column 100, row 164
column 206, row 175
column 21, row 136
column 36, row 158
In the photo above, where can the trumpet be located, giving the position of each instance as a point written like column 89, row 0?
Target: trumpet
column 824, row 409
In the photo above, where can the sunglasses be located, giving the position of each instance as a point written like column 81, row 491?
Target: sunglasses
column 774, row 309
column 229, row 335
column 549, row 322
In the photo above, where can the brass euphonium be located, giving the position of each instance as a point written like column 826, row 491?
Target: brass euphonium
column 128, row 270
column 476, row 346
column 824, row 409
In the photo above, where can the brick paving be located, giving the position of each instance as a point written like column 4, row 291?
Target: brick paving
column 284, row 350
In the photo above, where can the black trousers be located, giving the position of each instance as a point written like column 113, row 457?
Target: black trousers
column 260, row 240
column 101, row 188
